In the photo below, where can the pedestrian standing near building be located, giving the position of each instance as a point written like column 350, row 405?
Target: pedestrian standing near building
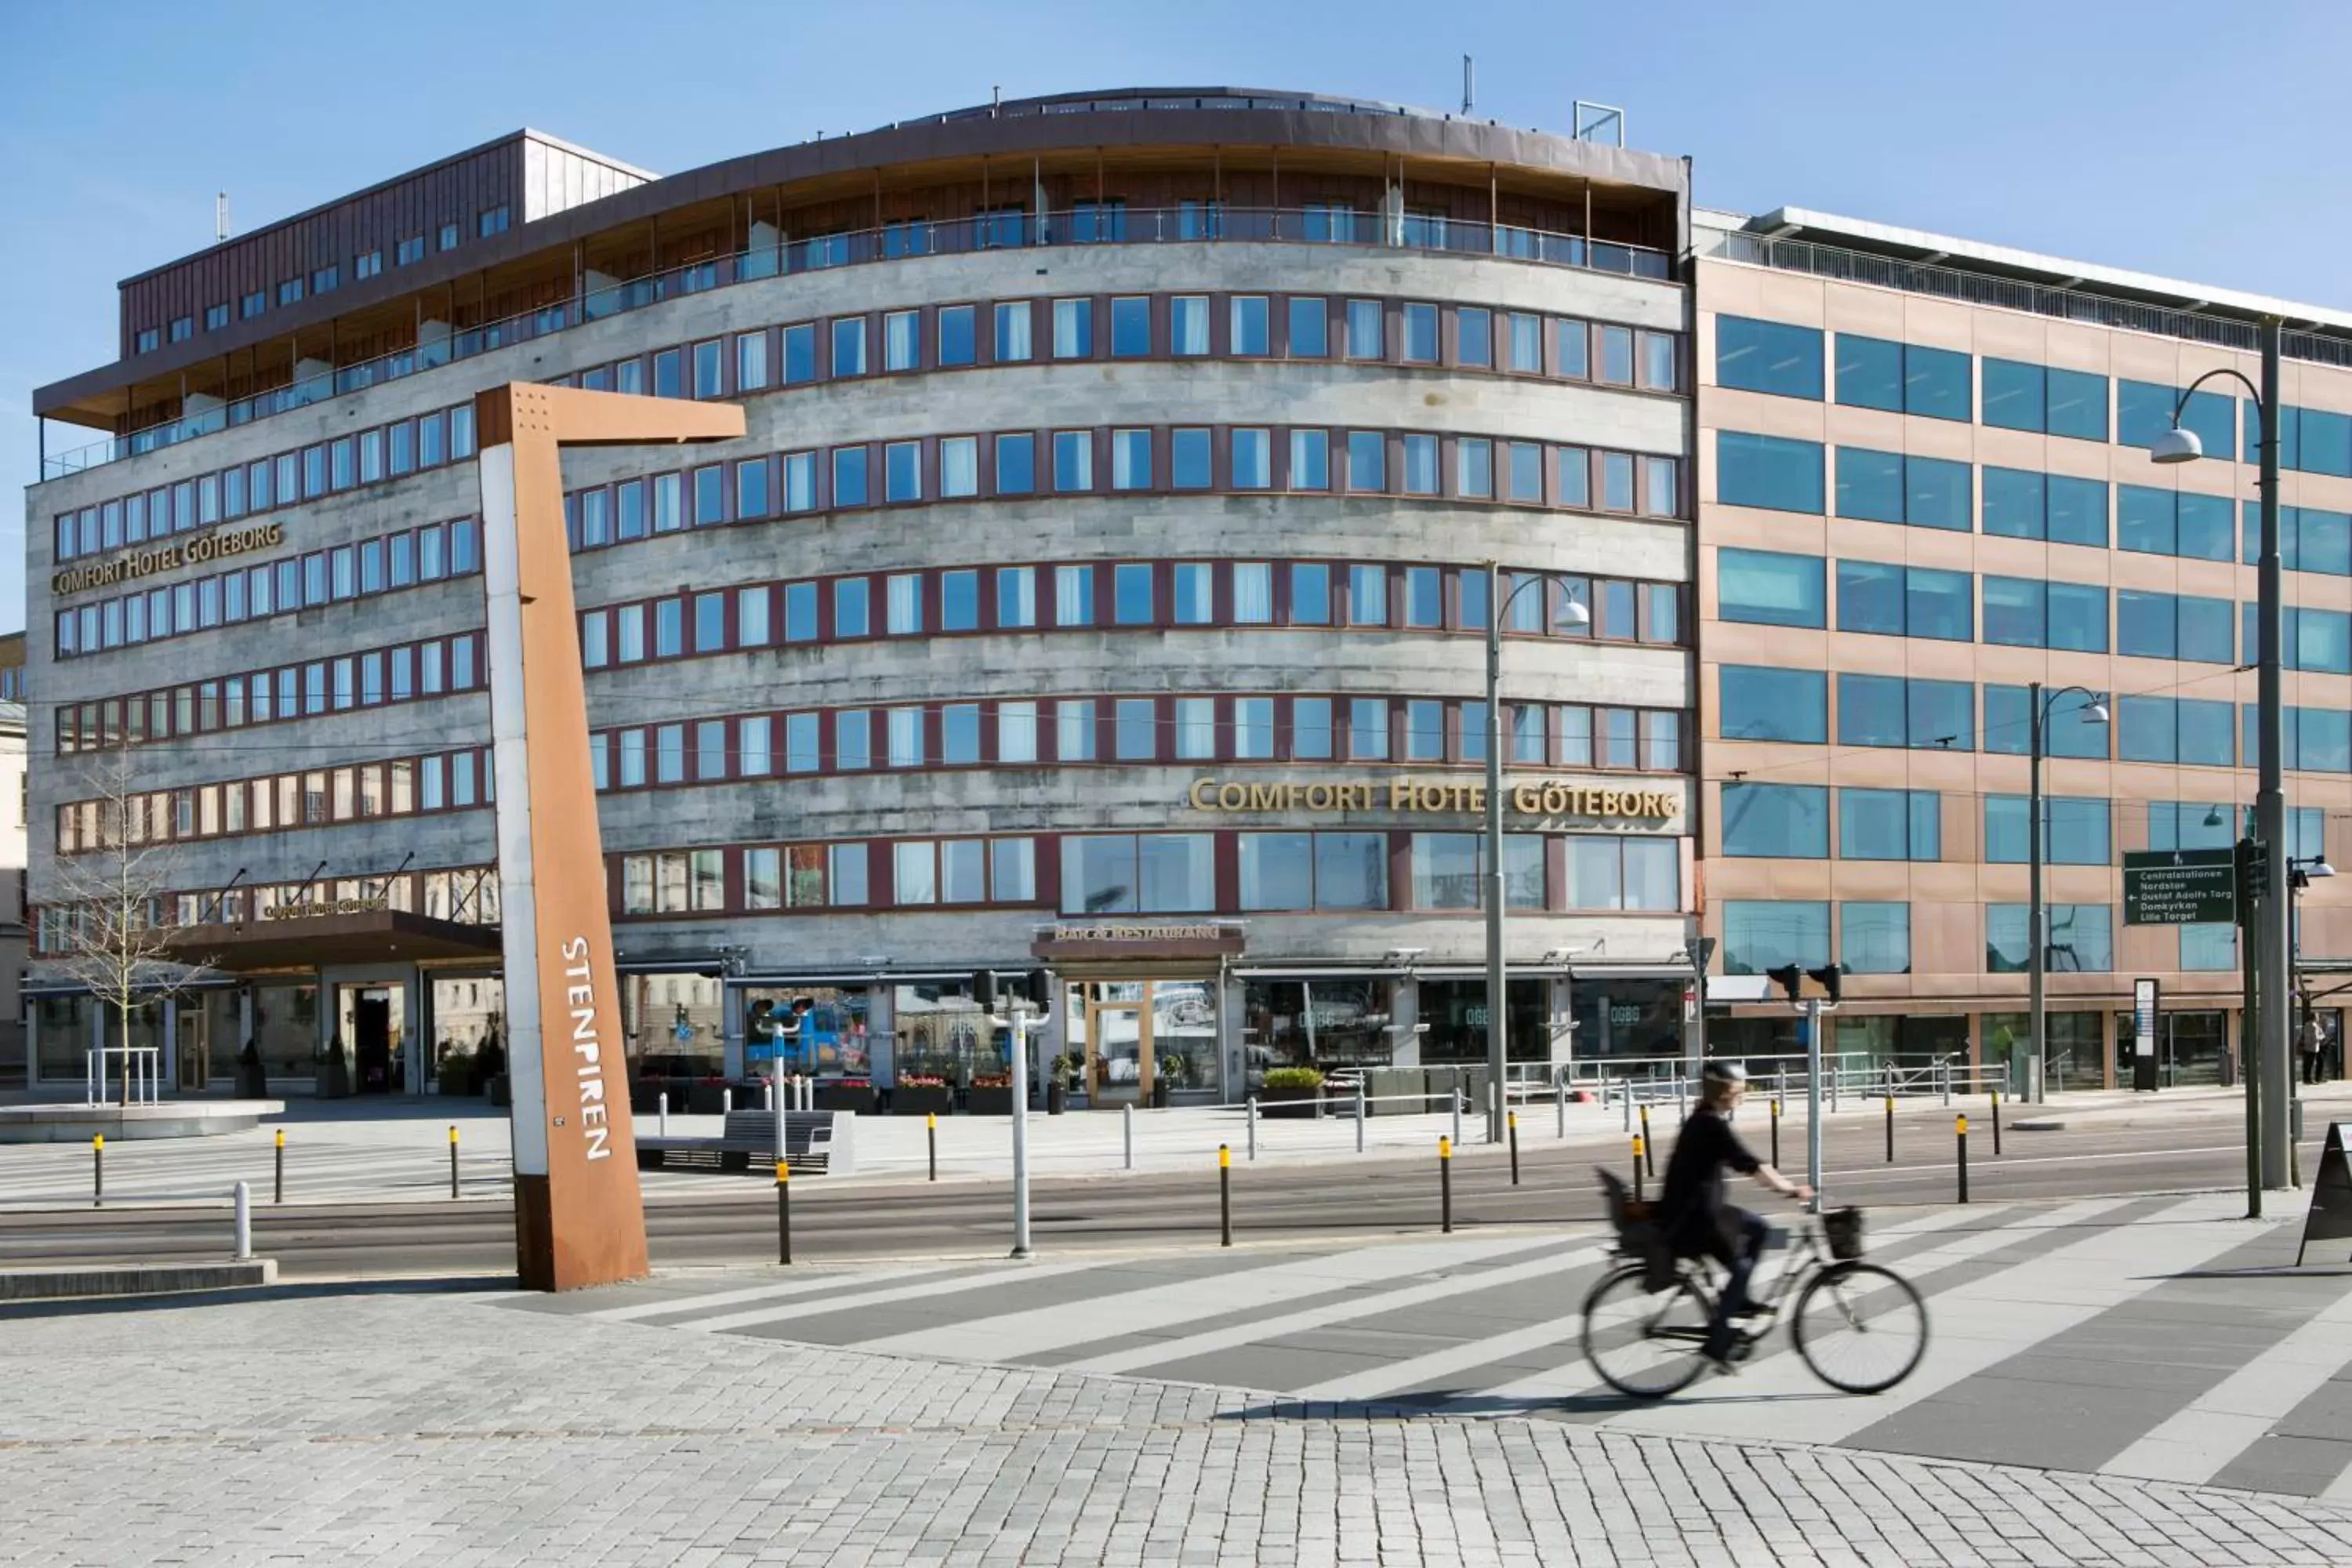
column 2308, row 1042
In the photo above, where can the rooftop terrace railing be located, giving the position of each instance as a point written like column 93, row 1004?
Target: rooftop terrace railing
column 1201, row 223
column 2016, row 294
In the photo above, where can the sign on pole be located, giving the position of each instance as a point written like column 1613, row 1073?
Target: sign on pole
column 2179, row 887
column 2145, row 1009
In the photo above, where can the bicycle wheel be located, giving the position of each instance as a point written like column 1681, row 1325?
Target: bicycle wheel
column 1860, row 1328
column 1645, row 1343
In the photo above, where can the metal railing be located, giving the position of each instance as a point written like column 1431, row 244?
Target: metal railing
column 2013, row 294
column 1201, row 223
column 141, row 1073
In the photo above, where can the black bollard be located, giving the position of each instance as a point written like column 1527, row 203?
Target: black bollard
column 1515, row 1148
column 1224, row 1194
column 1637, row 1167
column 1649, row 1163
column 277, row 1192
column 1890, row 1130
column 783, row 1212
column 1445, row 1185
column 1996, row 1124
column 1776, row 1131
column 98, row 1170
column 1963, row 1135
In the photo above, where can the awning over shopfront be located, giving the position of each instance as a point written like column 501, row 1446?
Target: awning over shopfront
column 311, row 941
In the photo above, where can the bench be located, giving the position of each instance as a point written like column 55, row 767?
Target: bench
column 816, row 1143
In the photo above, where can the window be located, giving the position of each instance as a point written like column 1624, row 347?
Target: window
column 1016, row 465
column 1364, row 329
column 1890, row 824
column 367, row 264
column 902, row 339
column 1761, row 934
column 2073, row 830
column 448, row 237
column 1130, row 326
column 903, row 604
column 1188, row 459
column 2144, row 412
column 1135, row 729
column 1016, row 733
column 1421, row 469
column 1074, row 454
column 1188, row 324
column 1132, row 594
column 849, row 476
column 1420, row 334
column 1016, row 596
column 1886, row 487
column 1367, row 461
column 2173, row 730
column 1761, row 703
column 1770, row 589
column 1074, row 329
column 1249, row 325
column 1310, row 594
column 1368, row 595
column 1252, row 460
column 1073, row 729
column 1073, row 595
column 2046, row 401
column 1783, row 821
column 1368, row 729
column 1473, row 337
column 1310, row 320
column 1768, row 471
column 904, row 733
column 902, row 471
column 1659, row 360
column 1903, row 378
column 1310, row 461
column 1875, row 938
column 1889, row 710
column 849, row 345
column 1899, row 601
column 2080, row 939
column 1012, row 340
column 1253, row 729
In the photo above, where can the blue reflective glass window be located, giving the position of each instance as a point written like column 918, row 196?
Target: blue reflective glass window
column 1768, row 356
column 851, row 605
column 2322, row 542
column 1762, row 934
column 2146, row 624
column 1780, row 821
column 2016, row 611
column 2078, row 618
column 1872, row 711
column 2146, row 520
column 1016, row 465
column 1132, row 594
column 1870, row 597
column 2205, row 737
column 849, row 476
column 1768, row 471
column 2319, row 640
column 2014, row 503
column 2324, row 442
column 1130, row 327
column 1768, row 588
column 2205, row 630
column 2077, row 511
column 2204, row 527
column 1875, row 938
column 2147, row 730
column 1937, row 493
column 2012, row 395
column 1761, row 703
column 1941, row 715
column 1890, row 824
column 2144, row 412
column 1936, row 383
column 2077, row 403
column 1869, row 484
column 1869, row 372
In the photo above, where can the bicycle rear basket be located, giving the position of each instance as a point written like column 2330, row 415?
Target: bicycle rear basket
column 1844, row 1228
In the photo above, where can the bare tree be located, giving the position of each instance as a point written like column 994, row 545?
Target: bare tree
column 107, row 885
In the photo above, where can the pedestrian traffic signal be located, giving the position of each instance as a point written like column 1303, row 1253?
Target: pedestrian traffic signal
column 1790, row 978
column 1828, row 975
column 983, row 989
column 1041, row 992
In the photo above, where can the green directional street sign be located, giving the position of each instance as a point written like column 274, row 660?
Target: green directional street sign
column 2179, row 887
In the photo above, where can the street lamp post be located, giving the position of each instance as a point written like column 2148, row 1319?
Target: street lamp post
column 2095, row 712
column 2301, row 872
column 1571, row 614
column 2267, row 1061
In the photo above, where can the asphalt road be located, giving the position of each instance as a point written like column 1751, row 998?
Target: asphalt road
column 1350, row 1202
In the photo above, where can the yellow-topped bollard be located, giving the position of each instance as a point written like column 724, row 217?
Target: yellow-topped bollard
column 783, row 1209
column 98, row 1170
column 1960, row 1132
column 1224, row 1194
column 1445, row 1184
column 931, row 1141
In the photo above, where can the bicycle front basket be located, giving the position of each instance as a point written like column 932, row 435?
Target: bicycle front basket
column 1844, row 1228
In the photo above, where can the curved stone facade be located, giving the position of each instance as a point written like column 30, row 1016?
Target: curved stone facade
column 787, row 856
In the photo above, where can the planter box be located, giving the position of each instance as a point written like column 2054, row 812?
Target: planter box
column 922, row 1101
column 857, row 1097
column 460, row 1082
column 1297, row 1104
column 989, row 1101
column 702, row 1099
column 502, row 1092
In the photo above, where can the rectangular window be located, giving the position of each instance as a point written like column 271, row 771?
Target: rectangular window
column 1131, row 603
column 1368, row 729
column 1311, row 462
column 1189, row 459
column 1364, row 329
column 1016, row 733
column 1074, row 461
column 848, row 345
column 902, row 339
column 1074, row 329
column 1249, row 325
column 1763, row 703
column 1073, row 729
column 1770, row 588
column 1420, row 334
column 960, row 601
column 1310, row 320
column 851, row 615
column 1768, row 471
column 1778, row 821
column 1252, row 460
column 1367, row 461
column 1016, row 465
column 849, row 476
column 1012, row 344
column 903, row 604
column 1130, row 460
column 1073, row 595
column 902, row 471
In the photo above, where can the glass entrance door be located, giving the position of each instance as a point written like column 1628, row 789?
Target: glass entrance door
column 191, row 1048
column 1118, row 1042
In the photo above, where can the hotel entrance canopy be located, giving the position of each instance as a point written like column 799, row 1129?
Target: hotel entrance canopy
column 312, row 941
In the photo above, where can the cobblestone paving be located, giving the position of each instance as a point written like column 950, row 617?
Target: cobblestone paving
column 435, row 1429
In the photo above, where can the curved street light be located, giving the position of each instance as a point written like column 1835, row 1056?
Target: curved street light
column 2037, row 963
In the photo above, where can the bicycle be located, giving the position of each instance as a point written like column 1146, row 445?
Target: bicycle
column 1860, row 1327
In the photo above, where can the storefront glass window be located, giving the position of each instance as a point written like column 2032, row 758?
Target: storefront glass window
column 1327, row 1024
column 676, row 1024
column 1455, row 1011
column 942, row 1033
column 826, row 1038
column 286, row 1029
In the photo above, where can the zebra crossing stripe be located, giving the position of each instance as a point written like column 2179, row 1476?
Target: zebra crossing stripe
column 760, row 1317
column 1396, row 1377
column 712, row 1300
column 1163, row 1352
column 1017, row 1335
column 2195, row 1442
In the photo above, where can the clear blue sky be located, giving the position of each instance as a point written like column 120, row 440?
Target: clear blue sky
column 2201, row 141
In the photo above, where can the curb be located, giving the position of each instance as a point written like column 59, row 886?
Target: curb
column 133, row 1280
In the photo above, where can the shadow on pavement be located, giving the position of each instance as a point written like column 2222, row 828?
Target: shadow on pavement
column 1474, row 1406
column 91, row 1306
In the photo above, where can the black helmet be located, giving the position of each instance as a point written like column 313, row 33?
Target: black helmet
column 1726, row 1072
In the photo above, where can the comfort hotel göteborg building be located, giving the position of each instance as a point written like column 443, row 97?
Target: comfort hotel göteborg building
column 1102, row 586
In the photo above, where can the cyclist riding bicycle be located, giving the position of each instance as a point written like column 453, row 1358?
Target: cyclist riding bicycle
column 1694, row 1220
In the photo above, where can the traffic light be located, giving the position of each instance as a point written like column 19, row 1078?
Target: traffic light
column 1041, row 992
column 983, row 989
column 1790, row 978
column 2253, row 870
column 1828, row 975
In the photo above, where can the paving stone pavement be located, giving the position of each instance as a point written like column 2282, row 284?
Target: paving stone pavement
column 391, row 1428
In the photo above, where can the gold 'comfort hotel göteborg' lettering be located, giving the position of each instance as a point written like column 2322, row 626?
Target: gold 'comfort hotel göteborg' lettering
column 581, row 997
column 1545, row 799
column 134, row 563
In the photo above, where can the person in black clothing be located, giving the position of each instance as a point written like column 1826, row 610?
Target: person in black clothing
column 1692, row 1215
